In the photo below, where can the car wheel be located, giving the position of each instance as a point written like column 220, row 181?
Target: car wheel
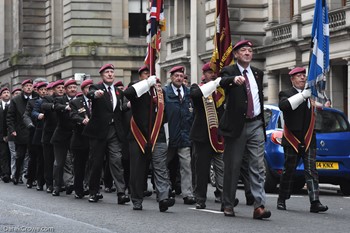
column 345, row 188
column 212, row 175
column 270, row 181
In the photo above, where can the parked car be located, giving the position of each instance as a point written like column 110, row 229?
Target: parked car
column 333, row 149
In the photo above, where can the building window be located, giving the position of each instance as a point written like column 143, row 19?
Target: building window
column 137, row 17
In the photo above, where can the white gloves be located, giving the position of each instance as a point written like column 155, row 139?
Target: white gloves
column 210, row 87
column 143, row 86
column 299, row 98
column 306, row 93
column 152, row 80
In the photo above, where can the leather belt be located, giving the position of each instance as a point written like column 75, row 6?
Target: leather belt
column 253, row 119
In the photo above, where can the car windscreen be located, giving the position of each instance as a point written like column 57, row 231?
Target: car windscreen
column 330, row 122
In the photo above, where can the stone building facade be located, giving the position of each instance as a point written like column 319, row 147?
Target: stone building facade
column 55, row 39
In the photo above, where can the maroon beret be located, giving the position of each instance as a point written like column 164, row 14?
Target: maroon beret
column 242, row 43
column 206, row 67
column 143, row 68
column 85, row 83
column 106, row 66
column 79, row 94
column 16, row 89
column 70, row 82
column 27, row 81
column 297, row 70
column 119, row 84
column 41, row 84
column 4, row 89
column 58, row 82
column 35, row 85
column 49, row 85
column 177, row 69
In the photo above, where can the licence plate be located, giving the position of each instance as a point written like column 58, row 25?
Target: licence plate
column 327, row 165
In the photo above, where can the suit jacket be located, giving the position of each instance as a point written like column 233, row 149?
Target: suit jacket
column 39, row 124
column 199, row 129
column 80, row 110
column 2, row 122
column 64, row 128
column 140, row 108
column 50, row 120
column 233, row 120
column 102, row 114
column 297, row 120
column 15, row 119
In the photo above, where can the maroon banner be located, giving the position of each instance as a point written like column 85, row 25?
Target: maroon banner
column 222, row 54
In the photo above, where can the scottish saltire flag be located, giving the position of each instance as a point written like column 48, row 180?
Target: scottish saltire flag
column 319, row 60
column 156, row 24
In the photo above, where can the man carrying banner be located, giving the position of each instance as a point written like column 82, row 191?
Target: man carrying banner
column 299, row 140
column 147, row 142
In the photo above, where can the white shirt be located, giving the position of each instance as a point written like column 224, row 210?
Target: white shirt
column 4, row 104
column 114, row 96
column 181, row 90
column 253, row 88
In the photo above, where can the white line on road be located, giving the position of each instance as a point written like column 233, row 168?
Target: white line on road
column 99, row 229
column 206, row 210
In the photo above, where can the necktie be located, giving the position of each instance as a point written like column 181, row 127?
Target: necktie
column 250, row 108
column 89, row 105
column 110, row 95
column 179, row 94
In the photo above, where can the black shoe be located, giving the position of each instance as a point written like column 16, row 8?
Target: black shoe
column 55, row 193
column 15, row 181
column 200, row 205
column 122, row 199
column 69, row 189
column 86, row 192
column 39, row 187
column 6, row 178
column 228, row 212
column 20, row 180
column 99, row 196
column 217, row 199
column 189, row 200
column 236, row 202
column 137, row 206
column 318, row 207
column 147, row 193
column 163, row 205
column 78, row 196
column 281, row 204
column 29, row 184
column 93, row 198
column 49, row 189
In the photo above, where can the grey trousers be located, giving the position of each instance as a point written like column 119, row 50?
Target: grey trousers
column 251, row 144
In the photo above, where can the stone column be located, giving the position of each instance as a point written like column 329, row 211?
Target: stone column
column 272, row 87
column 193, row 42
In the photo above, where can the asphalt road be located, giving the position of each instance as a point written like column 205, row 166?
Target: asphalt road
column 27, row 210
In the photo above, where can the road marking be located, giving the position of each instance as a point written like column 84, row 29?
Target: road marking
column 276, row 195
column 206, row 210
column 99, row 229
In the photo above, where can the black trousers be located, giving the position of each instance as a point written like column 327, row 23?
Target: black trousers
column 60, row 152
column 81, row 157
column 49, row 159
column 21, row 150
column 5, row 158
column 36, row 165
column 98, row 150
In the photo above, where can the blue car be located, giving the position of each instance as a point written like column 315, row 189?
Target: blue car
column 333, row 149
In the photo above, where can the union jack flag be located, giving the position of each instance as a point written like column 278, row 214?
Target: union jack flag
column 156, row 24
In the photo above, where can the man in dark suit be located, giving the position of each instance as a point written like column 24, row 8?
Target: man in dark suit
column 62, row 136
column 147, row 142
column 16, row 126
column 46, row 107
column 207, row 145
column 106, row 134
column 5, row 156
column 299, row 140
column 242, row 126
column 80, row 115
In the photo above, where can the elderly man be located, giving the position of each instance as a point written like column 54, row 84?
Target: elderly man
column 106, row 134
column 179, row 109
column 5, row 156
column 299, row 140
